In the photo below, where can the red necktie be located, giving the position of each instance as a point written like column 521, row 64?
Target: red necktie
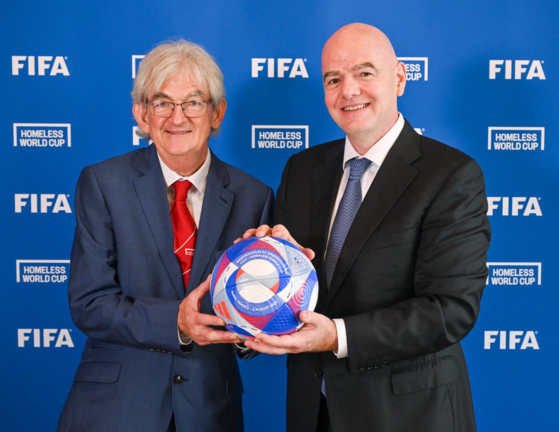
column 184, row 229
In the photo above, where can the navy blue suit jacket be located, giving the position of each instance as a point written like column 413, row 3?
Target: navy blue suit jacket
column 125, row 289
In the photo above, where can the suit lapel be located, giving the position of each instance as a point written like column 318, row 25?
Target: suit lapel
column 151, row 190
column 326, row 179
column 215, row 211
column 391, row 181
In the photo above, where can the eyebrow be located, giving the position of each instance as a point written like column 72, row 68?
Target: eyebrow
column 354, row 68
column 161, row 95
column 363, row 65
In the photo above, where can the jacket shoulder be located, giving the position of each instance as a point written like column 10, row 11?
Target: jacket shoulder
column 239, row 178
column 444, row 156
column 317, row 154
column 120, row 162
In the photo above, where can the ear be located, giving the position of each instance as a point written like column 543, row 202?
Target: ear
column 141, row 115
column 400, row 78
column 218, row 113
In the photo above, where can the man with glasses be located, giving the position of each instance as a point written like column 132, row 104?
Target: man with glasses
column 150, row 226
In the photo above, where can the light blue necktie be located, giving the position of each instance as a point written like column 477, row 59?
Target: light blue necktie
column 350, row 203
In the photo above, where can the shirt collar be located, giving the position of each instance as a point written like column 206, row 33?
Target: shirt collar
column 198, row 179
column 378, row 152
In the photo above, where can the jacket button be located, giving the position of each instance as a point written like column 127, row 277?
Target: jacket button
column 383, row 364
column 363, row 367
column 376, row 365
column 177, row 379
column 318, row 373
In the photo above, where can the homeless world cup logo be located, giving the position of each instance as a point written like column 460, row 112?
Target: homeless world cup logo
column 514, row 273
column 516, row 138
column 417, row 68
column 41, row 135
column 280, row 137
column 136, row 60
column 42, row 271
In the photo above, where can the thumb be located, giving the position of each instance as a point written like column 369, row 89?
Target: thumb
column 308, row 252
column 202, row 289
column 309, row 317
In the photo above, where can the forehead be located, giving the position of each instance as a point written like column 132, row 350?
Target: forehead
column 180, row 85
column 349, row 52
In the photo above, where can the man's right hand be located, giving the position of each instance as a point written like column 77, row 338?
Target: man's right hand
column 278, row 231
column 196, row 325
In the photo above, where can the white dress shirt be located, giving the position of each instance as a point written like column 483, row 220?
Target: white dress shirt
column 195, row 196
column 194, row 200
column 376, row 154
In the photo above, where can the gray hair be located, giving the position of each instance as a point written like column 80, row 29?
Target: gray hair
column 172, row 58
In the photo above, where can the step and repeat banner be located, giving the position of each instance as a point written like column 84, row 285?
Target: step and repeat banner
column 482, row 77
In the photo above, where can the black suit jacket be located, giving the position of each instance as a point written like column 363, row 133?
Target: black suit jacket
column 408, row 284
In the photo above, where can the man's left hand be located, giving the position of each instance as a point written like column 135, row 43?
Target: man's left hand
column 318, row 334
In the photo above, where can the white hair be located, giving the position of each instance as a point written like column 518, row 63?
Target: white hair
column 172, row 58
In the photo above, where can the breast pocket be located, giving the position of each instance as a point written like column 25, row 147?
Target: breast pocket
column 384, row 239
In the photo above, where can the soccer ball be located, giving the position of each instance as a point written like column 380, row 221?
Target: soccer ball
column 261, row 285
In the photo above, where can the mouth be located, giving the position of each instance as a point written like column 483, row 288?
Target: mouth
column 177, row 132
column 355, row 107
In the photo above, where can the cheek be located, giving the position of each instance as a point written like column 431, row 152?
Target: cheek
column 330, row 100
column 155, row 124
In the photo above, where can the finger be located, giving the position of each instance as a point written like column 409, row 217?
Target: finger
column 308, row 252
column 249, row 233
column 201, row 290
column 207, row 334
column 282, row 342
column 263, row 230
column 310, row 317
column 279, row 231
column 264, row 348
column 201, row 319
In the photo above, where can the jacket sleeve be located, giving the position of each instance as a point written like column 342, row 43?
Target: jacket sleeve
column 97, row 303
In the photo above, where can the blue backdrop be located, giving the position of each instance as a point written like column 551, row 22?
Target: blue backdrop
column 482, row 77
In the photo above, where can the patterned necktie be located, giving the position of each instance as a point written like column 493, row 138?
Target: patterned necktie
column 350, row 203
column 184, row 229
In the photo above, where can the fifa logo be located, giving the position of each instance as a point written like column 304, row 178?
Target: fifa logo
column 526, row 340
column 45, row 337
column 43, row 201
column 284, row 67
column 41, row 65
column 535, row 69
column 519, row 206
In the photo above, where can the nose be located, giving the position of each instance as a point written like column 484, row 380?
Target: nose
column 178, row 115
column 350, row 88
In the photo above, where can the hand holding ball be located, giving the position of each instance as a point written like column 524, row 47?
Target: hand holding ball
column 261, row 285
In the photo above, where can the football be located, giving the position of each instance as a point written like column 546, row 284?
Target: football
column 261, row 285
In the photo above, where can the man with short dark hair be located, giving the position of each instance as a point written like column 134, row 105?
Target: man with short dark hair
column 150, row 226
column 398, row 223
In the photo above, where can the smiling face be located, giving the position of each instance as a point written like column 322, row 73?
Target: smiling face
column 182, row 142
column 362, row 79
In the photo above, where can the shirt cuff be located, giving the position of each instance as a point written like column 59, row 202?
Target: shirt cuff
column 183, row 338
column 342, row 338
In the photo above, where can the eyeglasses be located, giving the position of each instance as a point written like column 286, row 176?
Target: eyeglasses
column 191, row 108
